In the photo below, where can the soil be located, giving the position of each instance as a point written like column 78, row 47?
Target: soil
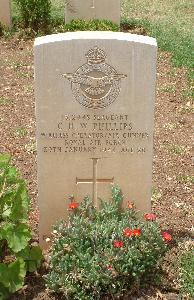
column 172, row 169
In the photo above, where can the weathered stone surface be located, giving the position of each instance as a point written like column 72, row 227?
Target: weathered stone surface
column 93, row 9
column 94, row 105
column 5, row 12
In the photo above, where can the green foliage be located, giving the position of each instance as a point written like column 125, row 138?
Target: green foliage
column 166, row 21
column 12, row 275
column 103, row 252
column 35, row 14
column 5, row 101
column 57, row 11
column 130, row 24
column 37, row 18
column 21, row 131
column 187, row 273
column 16, row 256
column 1, row 29
column 169, row 39
column 16, row 235
column 173, row 41
column 92, row 25
column 32, row 257
column 187, row 179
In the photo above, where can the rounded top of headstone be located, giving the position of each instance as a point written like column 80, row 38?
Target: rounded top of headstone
column 98, row 35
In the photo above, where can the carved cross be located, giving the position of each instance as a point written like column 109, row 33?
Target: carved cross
column 93, row 4
column 95, row 180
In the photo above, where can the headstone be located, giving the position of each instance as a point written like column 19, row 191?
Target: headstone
column 93, row 9
column 5, row 12
column 94, row 106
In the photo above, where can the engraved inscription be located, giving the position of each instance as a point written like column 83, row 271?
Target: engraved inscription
column 95, row 134
column 96, row 84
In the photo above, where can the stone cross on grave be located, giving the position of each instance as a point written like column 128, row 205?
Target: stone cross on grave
column 93, row 4
column 93, row 8
column 95, row 180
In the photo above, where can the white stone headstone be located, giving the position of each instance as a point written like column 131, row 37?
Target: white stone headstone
column 95, row 95
column 5, row 12
column 93, row 9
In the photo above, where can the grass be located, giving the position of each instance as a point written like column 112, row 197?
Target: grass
column 175, row 149
column 21, row 74
column 186, row 109
column 30, row 147
column 188, row 93
column 28, row 88
column 169, row 89
column 21, row 132
column 187, row 273
column 187, row 179
column 57, row 13
column 17, row 65
column 170, row 126
column 58, row 9
column 169, row 21
column 5, row 101
column 156, row 195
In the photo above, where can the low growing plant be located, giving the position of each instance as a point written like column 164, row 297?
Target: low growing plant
column 91, row 25
column 104, row 252
column 187, row 273
column 35, row 14
column 1, row 29
column 16, row 255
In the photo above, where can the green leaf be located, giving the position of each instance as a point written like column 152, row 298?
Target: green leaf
column 12, row 276
column 12, row 175
column 4, row 160
column 4, row 292
column 17, row 236
column 117, row 195
column 32, row 257
column 14, row 231
column 6, row 202
column 20, row 204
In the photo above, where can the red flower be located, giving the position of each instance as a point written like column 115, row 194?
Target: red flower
column 129, row 205
column 73, row 205
column 131, row 232
column 150, row 217
column 110, row 268
column 118, row 244
column 137, row 232
column 166, row 236
column 128, row 232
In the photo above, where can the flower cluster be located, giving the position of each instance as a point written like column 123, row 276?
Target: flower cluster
column 129, row 233
column 166, row 236
column 118, row 244
column 129, row 205
column 73, row 205
column 150, row 217
column 113, row 244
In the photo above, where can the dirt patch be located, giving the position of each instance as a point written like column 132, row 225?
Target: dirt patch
column 172, row 171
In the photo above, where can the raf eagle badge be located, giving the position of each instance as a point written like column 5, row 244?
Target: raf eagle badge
column 95, row 85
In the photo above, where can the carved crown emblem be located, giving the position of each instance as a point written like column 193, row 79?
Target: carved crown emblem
column 96, row 56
